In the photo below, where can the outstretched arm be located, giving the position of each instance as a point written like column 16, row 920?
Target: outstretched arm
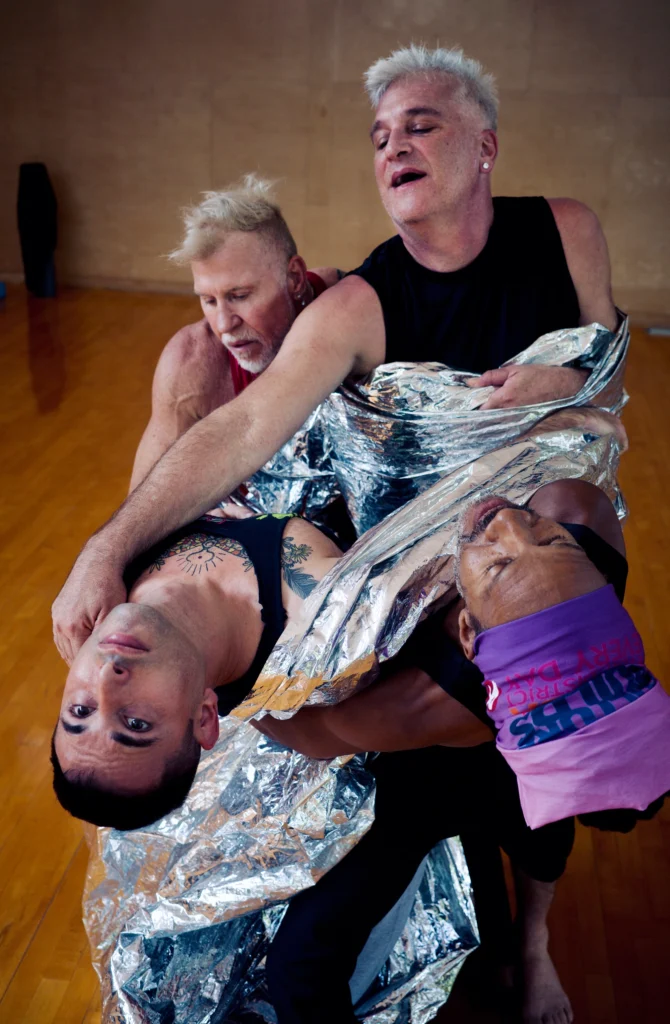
column 340, row 334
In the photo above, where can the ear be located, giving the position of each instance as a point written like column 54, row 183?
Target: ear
column 206, row 724
column 296, row 276
column 467, row 634
column 489, row 148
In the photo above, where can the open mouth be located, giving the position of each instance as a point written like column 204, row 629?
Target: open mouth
column 478, row 517
column 401, row 178
column 487, row 510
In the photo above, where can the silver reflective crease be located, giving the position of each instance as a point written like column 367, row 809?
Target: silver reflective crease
column 180, row 915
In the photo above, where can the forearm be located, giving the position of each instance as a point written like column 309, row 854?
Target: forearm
column 308, row 733
column 193, row 475
column 406, row 711
column 216, row 454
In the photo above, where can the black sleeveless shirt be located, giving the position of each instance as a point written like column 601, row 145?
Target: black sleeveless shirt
column 476, row 318
column 261, row 537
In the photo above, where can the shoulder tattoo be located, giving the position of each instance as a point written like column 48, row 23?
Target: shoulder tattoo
column 201, row 551
column 292, row 554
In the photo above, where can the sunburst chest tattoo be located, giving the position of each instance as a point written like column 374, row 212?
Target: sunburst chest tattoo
column 301, row 583
column 201, row 551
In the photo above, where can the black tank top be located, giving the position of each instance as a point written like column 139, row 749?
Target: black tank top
column 478, row 317
column 261, row 537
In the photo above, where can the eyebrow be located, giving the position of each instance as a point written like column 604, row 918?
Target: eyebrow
column 411, row 112
column 75, row 729
column 131, row 741
column 118, row 737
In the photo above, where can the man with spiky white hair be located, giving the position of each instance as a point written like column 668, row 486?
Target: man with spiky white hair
column 468, row 280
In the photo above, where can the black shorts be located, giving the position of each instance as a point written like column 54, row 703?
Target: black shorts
column 450, row 791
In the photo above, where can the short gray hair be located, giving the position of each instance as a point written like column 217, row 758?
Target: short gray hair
column 477, row 84
column 247, row 205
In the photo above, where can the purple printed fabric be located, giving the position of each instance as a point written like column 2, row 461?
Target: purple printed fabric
column 581, row 721
column 542, row 661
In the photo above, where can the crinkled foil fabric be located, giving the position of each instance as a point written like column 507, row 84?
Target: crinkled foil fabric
column 299, row 478
column 180, row 915
column 418, row 428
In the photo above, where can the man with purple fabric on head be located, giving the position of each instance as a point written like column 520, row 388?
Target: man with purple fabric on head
column 580, row 719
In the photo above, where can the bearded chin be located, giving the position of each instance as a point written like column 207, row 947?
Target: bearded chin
column 262, row 360
column 257, row 365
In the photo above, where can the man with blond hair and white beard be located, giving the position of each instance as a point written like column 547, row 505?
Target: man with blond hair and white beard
column 469, row 281
column 251, row 283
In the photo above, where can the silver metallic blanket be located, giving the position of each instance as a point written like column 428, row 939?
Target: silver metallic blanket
column 179, row 915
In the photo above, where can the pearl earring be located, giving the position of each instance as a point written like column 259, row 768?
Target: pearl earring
column 485, row 166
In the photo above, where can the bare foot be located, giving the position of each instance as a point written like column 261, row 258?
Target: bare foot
column 544, row 1001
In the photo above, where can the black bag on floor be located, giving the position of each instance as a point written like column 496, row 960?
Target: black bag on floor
column 36, row 209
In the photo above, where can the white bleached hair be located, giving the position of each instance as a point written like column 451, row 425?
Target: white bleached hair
column 247, row 205
column 478, row 85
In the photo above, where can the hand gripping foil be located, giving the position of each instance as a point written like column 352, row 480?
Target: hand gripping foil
column 180, row 915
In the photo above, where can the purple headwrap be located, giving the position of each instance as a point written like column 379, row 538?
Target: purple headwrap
column 580, row 719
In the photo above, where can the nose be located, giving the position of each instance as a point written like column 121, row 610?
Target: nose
column 511, row 525
column 226, row 320
column 397, row 145
column 114, row 670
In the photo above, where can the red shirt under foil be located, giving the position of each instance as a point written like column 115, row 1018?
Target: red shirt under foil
column 242, row 378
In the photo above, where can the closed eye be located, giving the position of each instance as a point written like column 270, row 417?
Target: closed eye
column 500, row 563
column 559, row 539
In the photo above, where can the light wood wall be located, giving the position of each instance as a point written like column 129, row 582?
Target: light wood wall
column 137, row 106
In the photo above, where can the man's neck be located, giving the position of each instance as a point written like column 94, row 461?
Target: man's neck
column 223, row 623
column 452, row 240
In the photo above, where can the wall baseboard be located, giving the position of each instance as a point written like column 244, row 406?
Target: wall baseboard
column 117, row 284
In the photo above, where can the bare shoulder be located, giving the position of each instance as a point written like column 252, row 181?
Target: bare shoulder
column 581, row 233
column 588, row 259
column 351, row 290
column 573, row 215
column 342, row 332
column 580, row 502
column 191, row 344
column 194, row 362
column 329, row 275
column 306, row 556
column 301, row 531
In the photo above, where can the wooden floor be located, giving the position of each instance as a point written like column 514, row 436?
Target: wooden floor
column 75, row 378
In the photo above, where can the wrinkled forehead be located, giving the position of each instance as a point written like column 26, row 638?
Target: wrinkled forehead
column 110, row 763
column 530, row 581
